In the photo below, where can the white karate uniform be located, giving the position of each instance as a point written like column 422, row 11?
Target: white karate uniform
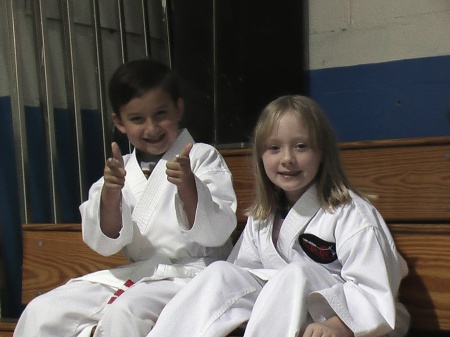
column 324, row 264
column 155, row 237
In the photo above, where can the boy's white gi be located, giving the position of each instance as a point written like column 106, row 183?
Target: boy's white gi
column 326, row 263
column 154, row 237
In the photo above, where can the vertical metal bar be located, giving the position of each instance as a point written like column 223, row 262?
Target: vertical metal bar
column 166, row 17
column 215, row 77
column 46, row 103
column 101, row 98
column 17, row 109
column 73, row 102
column 146, row 25
column 122, row 31
column 123, row 41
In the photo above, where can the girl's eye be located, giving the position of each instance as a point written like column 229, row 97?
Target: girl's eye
column 273, row 147
column 301, row 146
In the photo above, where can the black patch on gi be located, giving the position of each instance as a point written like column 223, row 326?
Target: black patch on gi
column 317, row 249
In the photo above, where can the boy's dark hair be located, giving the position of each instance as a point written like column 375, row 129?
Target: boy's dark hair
column 134, row 78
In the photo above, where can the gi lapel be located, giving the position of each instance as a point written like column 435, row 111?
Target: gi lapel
column 297, row 219
column 157, row 185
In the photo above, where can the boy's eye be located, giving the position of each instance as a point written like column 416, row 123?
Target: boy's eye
column 136, row 119
column 160, row 113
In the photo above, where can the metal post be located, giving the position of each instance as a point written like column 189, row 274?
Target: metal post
column 215, row 77
column 122, row 31
column 166, row 17
column 46, row 99
column 146, row 25
column 73, row 102
column 101, row 98
column 17, row 109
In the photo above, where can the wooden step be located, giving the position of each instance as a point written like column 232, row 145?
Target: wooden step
column 7, row 326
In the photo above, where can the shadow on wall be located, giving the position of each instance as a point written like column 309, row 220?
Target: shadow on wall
column 10, row 229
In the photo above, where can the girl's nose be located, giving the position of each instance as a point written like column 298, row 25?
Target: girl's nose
column 287, row 157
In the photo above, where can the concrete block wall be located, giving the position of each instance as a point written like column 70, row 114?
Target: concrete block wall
column 351, row 32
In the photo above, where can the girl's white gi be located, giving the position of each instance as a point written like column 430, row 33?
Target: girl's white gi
column 154, row 237
column 342, row 263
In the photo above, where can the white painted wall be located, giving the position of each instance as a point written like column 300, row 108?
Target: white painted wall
column 352, row 32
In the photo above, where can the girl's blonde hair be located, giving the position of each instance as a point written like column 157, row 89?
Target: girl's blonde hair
column 332, row 184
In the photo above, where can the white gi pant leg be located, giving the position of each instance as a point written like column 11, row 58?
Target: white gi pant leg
column 135, row 311
column 216, row 301
column 281, row 308
column 64, row 311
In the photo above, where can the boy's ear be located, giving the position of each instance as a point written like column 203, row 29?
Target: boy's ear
column 180, row 108
column 118, row 123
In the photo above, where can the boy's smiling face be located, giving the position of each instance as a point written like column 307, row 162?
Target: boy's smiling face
column 150, row 121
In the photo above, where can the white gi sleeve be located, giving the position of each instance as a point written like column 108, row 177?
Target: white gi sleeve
column 372, row 270
column 215, row 217
column 90, row 222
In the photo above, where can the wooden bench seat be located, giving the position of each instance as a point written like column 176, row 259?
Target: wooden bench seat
column 53, row 254
column 411, row 179
column 7, row 326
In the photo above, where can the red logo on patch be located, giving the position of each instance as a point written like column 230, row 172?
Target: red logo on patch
column 317, row 249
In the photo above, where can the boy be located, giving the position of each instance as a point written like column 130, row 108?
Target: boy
column 170, row 225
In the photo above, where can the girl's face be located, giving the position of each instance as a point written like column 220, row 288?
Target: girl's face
column 150, row 121
column 289, row 161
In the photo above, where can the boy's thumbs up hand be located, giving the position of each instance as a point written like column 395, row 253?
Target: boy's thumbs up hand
column 114, row 172
column 186, row 150
column 179, row 170
column 117, row 155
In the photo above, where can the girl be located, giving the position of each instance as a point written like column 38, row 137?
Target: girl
column 315, row 258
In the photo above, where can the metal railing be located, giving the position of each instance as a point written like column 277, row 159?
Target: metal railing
column 35, row 14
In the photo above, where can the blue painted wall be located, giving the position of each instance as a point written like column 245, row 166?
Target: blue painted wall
column 398, row 99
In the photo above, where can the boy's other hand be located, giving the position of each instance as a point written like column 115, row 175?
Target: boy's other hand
column 179, row 173
column 114, row 173
column 179, row 170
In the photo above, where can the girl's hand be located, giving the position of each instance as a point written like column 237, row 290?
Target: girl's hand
column 332, row 327
column 114, row 172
